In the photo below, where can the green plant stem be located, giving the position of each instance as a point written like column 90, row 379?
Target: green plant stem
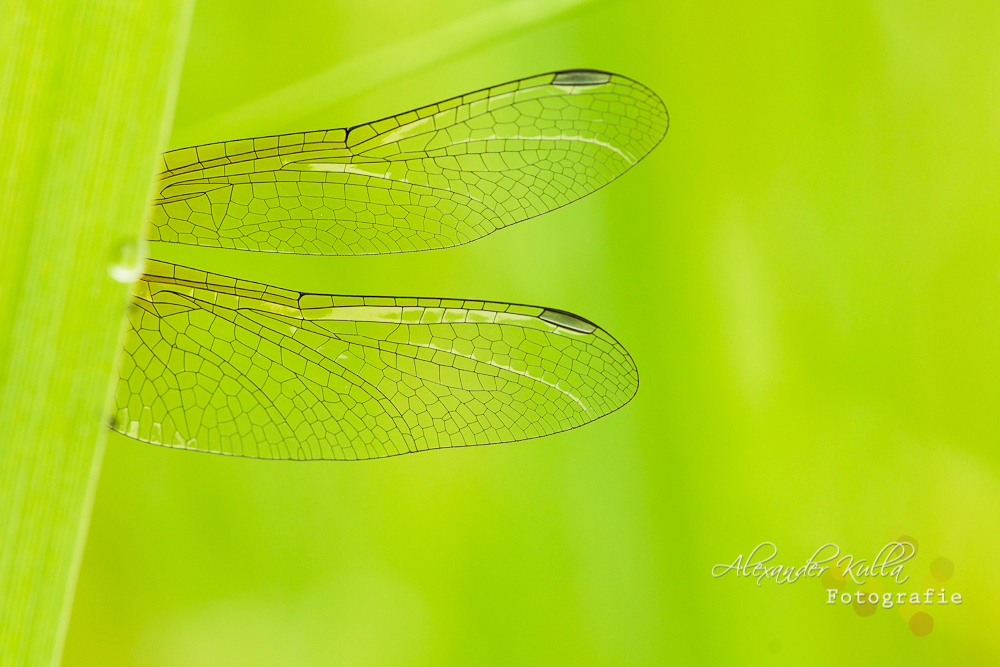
column 86, row 94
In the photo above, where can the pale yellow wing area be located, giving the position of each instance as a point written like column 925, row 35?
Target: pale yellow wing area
column 435, row 177
column 233, row 367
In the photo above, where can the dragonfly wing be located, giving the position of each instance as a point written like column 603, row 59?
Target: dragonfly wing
column 435, row 177
column 232, row 367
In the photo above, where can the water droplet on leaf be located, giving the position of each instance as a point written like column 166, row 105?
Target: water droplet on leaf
column 127, row 259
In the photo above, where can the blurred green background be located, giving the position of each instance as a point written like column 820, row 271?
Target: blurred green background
column 806, row 272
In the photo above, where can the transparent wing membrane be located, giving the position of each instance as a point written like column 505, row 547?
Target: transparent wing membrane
column 233, row 367
column 435, row 177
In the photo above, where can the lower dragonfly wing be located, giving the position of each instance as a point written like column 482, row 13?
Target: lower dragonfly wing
column 434, row 177
column 232, row 367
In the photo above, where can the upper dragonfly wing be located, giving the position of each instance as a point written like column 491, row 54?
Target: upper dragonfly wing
column 233, row 367
column 435, row 177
